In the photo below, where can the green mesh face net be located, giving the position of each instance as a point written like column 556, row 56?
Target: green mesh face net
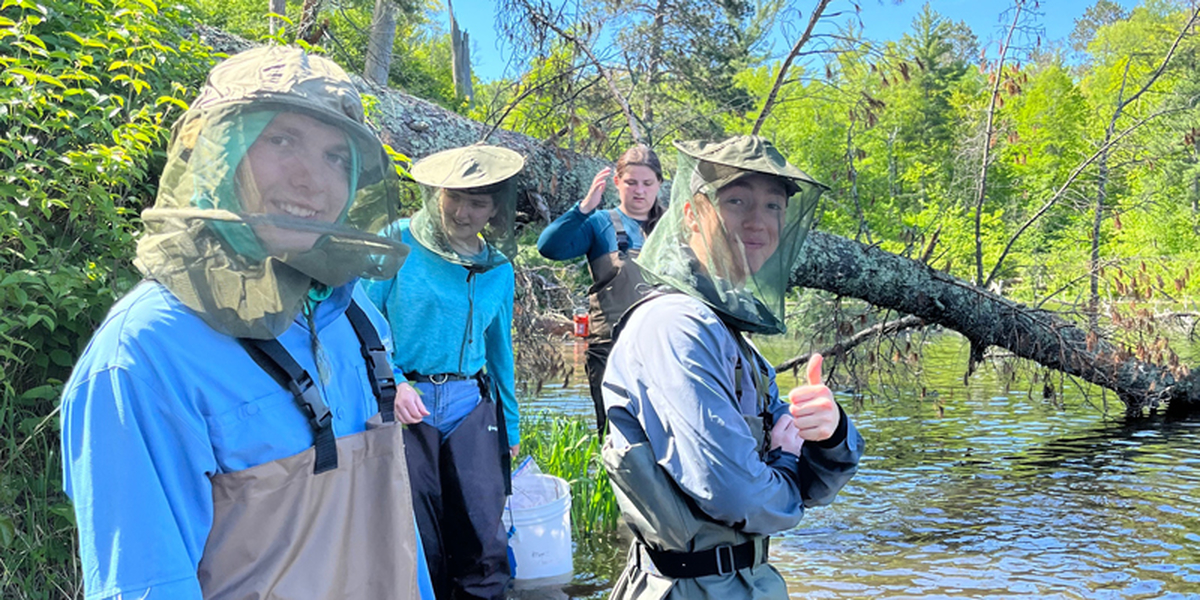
column 273, row 186
column 730, row 238
column 470, row 205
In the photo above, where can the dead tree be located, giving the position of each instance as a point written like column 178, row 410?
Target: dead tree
column 379, row 46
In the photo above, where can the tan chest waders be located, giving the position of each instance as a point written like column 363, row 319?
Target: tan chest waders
column 335, row 521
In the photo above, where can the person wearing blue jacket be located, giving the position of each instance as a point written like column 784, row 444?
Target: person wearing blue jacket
column 230, row 430
column 611, row 239
column 450, row 309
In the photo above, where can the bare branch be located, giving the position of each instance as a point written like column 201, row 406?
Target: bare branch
column 546, row 22
column 981, row 190
column 1062, row 189
column 840, row 348
column 783, row 69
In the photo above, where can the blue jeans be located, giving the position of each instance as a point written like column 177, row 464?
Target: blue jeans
column 448, row 403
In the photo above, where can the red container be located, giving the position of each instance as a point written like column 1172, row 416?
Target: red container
column 582, row 326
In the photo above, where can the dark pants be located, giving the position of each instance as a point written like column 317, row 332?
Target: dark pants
column 458, row 497
column 597, row 358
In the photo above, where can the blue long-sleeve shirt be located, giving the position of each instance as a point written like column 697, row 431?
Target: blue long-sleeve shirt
column 575, row 234
column 158, row 403
column 446, row 319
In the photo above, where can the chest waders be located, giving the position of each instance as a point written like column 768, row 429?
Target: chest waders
column 334, row 521
column 617, row 284
column 678, row 552
column 458, row 492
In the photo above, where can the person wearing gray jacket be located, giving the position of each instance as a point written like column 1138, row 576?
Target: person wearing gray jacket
column 705, row 458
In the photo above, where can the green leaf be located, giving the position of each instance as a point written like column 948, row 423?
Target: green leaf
column 170, row 100
column 63, row 511
column 8, row 531
column 60, row 357
column 41, row 392
column 51, row 80
column 23, row 72
column 35, row 39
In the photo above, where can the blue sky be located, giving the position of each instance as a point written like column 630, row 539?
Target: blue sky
column 881, row 19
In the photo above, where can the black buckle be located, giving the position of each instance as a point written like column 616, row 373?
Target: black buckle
column 310, row 399
column 725, row 564
column 382, row 376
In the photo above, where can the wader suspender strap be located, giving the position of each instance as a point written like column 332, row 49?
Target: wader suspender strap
column 279, row 364
column 619, row 227
column 758, row 375
column 379, row 367
column 489, row 393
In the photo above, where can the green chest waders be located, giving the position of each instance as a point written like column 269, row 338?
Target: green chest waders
column 678, row 552
column 617, row 284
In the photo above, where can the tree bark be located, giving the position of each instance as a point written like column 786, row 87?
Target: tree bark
column 308, row 21
column 460, row 57
column 278, row 7
column 379, row 46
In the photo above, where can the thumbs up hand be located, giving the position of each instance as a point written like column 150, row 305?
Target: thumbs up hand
column 814, row 413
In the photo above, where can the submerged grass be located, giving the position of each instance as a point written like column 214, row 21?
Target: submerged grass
column 569, row 447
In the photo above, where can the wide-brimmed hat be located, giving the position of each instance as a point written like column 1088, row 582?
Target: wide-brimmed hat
column 722, row 163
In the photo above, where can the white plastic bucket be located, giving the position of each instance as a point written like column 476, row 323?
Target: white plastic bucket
column 539, row 515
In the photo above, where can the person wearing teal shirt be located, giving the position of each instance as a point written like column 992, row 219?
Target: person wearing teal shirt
column 450, row 310
column 225, row 433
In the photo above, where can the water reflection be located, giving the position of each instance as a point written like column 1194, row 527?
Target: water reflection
column 998, row 495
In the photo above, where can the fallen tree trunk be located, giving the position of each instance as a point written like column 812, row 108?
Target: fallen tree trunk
column 417, row 128
column 848, row 268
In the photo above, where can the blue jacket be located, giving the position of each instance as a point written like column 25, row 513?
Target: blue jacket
column 157, row 404
column 575, row 234
column 447, row 320
column 670, row 382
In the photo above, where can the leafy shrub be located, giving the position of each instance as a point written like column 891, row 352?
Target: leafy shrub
column 89, row 90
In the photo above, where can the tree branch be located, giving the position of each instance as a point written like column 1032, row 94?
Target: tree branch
column 981, row 192
column 841, row 347
column 779, row 78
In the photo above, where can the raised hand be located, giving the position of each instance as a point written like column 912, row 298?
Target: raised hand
column 814, row 413
column 596, row 192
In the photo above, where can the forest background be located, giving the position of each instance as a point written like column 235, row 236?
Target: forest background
column 1061, row 174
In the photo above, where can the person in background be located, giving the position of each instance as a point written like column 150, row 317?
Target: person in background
column 450, row 308
column 705, row 458
column 610, row 238
column 230, row 430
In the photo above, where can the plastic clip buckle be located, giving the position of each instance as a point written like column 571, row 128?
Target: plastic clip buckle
column 725, row 564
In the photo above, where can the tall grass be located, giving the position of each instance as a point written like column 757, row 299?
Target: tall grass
column 569, row 447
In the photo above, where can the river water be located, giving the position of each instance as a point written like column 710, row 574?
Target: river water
column 977, row 492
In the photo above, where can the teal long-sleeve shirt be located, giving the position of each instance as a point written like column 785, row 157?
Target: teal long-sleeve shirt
column 446, row 319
